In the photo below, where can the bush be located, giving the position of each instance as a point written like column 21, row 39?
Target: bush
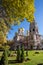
column 18, row 53
column 4, row 59
column 22, row 53
column 26, row 53
column 8, row 52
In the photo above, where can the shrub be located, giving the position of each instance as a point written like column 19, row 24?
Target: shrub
column 22, row 53
column 4, row 59
column 26, row 53
column 18, row 53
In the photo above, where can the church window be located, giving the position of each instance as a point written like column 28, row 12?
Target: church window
column 33, row 29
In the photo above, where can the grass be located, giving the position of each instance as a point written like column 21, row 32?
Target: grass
column 34, row 58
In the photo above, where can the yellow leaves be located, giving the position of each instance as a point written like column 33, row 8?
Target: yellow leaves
column 30, row 18
column 3, row 26
column 19, row 8
column 2, row 38
column 18, row 22
column 16, row 11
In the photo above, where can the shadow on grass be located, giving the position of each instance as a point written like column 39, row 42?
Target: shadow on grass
column 40, row 64
column 11, row 62
column 36, row 52
column 14, row 61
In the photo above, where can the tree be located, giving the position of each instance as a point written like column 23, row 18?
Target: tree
column 14, row 11
column 27, row 38
column 26, row 53
column 18, row 53
column 2, row 38
column 22, row 53
column 4, row 59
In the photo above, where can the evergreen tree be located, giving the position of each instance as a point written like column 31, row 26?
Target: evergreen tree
column 26, row 53
column 22, row 53
column 4, row 59
column 18, row 53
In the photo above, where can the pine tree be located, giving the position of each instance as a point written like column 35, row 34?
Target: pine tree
column 22, row 53
column 18, row 53
column 4, row 59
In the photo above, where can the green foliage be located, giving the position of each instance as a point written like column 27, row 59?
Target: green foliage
column 8, row 52
column 4, row 59
column 26, row 53
column 18, row 54
column 22, row 53
column 34, row 59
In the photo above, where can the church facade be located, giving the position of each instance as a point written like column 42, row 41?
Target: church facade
column 32, row 40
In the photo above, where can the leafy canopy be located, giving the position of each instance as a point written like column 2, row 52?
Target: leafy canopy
column 14, row 12
column 19, row 9
column 2, row 38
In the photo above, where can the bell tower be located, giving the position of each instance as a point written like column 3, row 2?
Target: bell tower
column 34, row 34
column 33, row 27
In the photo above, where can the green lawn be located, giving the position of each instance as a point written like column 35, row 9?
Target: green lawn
column 34, row 58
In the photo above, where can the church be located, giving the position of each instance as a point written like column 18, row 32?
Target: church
column 32, row 40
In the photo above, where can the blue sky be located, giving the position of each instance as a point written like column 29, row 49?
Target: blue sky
column 38, row 17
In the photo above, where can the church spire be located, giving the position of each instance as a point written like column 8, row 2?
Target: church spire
column 33, row 27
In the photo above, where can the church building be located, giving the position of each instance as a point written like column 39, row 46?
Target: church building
column 32, row 40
